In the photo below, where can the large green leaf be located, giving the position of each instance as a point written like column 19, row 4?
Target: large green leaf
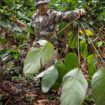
column 73, row 39
column 61, row 70
column 91, row 64
column 74, row 88
column 37, row 58
column 49, row 78
column 98, row 87
column 71, row 61
column 83, row 48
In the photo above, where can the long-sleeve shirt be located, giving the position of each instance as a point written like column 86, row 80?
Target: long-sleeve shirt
column 45, row 26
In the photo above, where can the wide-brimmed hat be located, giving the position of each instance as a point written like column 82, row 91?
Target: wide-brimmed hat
column 41, row 2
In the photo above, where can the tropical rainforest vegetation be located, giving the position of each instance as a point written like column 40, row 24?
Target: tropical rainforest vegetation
column 77, row 77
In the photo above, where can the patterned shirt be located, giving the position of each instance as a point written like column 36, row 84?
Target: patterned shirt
column 44, row 26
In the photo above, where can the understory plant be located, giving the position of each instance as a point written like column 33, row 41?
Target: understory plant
column 67, row 72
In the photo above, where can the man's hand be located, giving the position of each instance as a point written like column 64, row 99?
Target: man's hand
column 80, row 12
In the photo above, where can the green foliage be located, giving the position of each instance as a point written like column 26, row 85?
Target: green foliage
column 5, row 53
column 98, row 87
column 91, row 65
column 49, row 78
column 99, row 43
column 71, row 61
column 73, row 39
column 37, row 58
column 61, row 71
column 83, row 49
column 3, row 41
column 74, row 88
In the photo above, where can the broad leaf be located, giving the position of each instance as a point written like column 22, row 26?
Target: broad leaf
column 98, row 87
column 74, row 88
column 91, row 64
column 83, row 49
column 73, row 39
column 61, row 70
column 49, row 78
column 37, row 58
column 71, row 61
column 99, row 43
column 87, row 31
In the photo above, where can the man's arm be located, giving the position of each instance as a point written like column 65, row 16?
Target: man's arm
column 68, row 16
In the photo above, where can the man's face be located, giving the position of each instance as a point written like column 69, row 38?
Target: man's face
column 43, row 8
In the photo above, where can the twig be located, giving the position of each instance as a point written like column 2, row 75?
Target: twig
column 94, row 26
column 65, row 27
column 78, row 48
column 93, row 44
column 8, row 100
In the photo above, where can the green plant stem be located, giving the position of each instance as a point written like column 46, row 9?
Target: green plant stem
column 78, row 48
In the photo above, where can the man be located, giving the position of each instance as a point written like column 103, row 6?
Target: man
column 45, row 20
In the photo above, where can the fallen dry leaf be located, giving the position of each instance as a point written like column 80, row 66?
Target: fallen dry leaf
column 41, row 102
